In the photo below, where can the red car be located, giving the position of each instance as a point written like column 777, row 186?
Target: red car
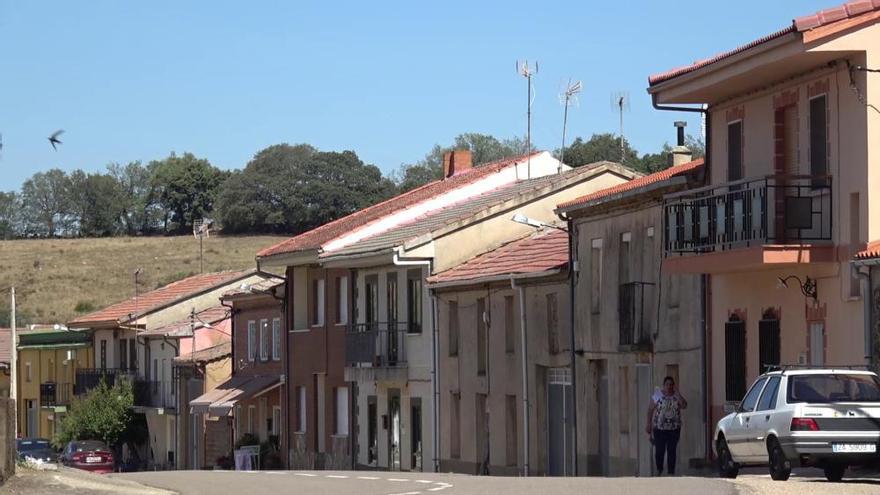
column 89, row 455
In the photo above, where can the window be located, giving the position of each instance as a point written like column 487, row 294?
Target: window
column 512, row 437
column 552, row 323
column 509, row 330
column 482, row 337
column 341, row 300
column 123, row 353
column 768, row 343
column 734, row 151
column 453, row 328
column 371, row 289
column 751, row 399
column 819, row 139
column 317, row 302
column 768, row 398
column 414, row 300
column 252, row 340
column 341, row 410
column 735, row 358
column 103, row 354
column 455, row 427
column 264, row 340
column 596, row 276
column 391, row 300
column 251, row 418
column 276, row 339
column 415, row 418
column 623, row 265
column 28, row 376
column 623, row 391
column 132, row 354
column 276, row 421
column 833, row 388
column 301, row 409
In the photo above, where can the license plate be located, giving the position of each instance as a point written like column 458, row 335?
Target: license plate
column 854, row 447
column 93, row 459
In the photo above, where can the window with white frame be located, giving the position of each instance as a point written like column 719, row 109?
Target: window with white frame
column 264, row 340
column 342, row 410
column 317, row 302
column 341, row 300
column 252, row 340
column 276, row 339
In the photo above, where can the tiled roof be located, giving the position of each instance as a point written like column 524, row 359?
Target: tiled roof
column 159, row 298
column 437, row 219
column 263, row 286
column 316, row 237
column 822, row 18
column 205, row 355
column 633, row 184
column 537, row 253
column 871, row 251
column 183, row 327
column 5, row 345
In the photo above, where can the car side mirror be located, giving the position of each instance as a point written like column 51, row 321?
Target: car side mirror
column 738, row 407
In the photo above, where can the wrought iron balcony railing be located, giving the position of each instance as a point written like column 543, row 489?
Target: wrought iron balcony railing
column 89, row 378
column 776, row 209
column 154, row 394
column 55, row 394
column 378, row 344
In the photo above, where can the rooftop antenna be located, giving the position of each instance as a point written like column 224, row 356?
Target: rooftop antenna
column 201, row 230
column 567, row 98
column 526, row 71
column 620, row 104
column 137, row 273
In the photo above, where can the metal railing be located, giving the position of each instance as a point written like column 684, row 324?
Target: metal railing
column 379, row 344
column 55, row 394
column 775, row 209
column 89, row 378
column 154, row 394
column 631, row 310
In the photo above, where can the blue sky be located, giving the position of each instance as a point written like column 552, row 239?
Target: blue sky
column 137, row 80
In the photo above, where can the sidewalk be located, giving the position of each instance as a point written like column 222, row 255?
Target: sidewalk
column 71, row 481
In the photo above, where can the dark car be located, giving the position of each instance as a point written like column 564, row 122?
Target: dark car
column 89, row 455
column 35, row 448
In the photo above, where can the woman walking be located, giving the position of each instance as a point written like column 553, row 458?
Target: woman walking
column 664, row 424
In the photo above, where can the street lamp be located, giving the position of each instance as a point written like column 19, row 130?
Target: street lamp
column 808, row 286
column 538, row 224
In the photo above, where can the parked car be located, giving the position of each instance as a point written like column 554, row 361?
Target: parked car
column 89, row 455
column 825, row 418
column 35, row 448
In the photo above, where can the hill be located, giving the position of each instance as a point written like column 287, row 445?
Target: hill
column 57, row 279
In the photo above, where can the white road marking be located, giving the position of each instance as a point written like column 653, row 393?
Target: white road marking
column 395, row 479
column 305, row 474
column 368, row 477
column 406, row 493
column 424, row 481
column 336, row 476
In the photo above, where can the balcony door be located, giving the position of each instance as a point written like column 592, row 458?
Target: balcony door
column 391, row 298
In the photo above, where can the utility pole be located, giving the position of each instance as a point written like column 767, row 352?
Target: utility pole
column 570, row 92
column 526, row 72
column 13, row 374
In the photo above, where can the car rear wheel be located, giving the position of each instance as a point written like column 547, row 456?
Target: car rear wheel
column 780, row 467
column 834, row 472
column 726, row 467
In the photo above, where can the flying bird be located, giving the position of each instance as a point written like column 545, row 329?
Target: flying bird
column 53, row 139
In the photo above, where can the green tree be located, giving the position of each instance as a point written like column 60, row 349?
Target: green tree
column 600, row 147
column 95, row 201
column 46, row 203
column 10, row 207
column 186, row 188
column 139, row 210
column 102, row 414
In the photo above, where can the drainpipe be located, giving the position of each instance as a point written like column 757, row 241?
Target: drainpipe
column 435, row 341
column 285, row 399
column 866, row 310
column 525, row 371
column 705, row 112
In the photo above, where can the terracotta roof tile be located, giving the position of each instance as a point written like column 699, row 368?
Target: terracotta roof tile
column 871, row 251
column 316, row 237
column 539, row 252
column 183, row 327
column 801, row 24
column 634, row 184
column 158, row 298
column 205, row 355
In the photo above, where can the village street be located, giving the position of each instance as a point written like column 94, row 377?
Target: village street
column 752, row 482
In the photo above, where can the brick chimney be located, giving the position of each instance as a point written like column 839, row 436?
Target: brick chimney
column 456, row 161
column 681, row 154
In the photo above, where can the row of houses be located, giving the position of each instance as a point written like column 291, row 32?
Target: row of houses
column 515, row 317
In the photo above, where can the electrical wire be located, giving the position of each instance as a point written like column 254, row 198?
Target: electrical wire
column 855, row 89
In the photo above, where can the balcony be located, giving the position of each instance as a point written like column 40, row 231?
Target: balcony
column 376, row 351
column 55, row 394
column 156, row 394
column 771, row 213
column 635, row 333
column 89, row 378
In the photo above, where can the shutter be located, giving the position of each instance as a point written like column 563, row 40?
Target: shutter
column 768, row 343
column 735, row 363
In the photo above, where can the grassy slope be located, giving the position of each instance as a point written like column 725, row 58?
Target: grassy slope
column 53, row 276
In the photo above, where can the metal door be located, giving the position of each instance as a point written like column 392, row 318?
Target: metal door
column 394, row 433
column 559, row 413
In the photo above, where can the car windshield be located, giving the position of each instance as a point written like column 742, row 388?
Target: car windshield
column 26, row 445
column 90, row 447
column 834, row 387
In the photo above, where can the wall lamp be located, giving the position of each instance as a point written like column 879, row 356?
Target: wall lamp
column 808, row 286
column 531, row 222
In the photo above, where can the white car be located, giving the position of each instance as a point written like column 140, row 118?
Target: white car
column 825, row 418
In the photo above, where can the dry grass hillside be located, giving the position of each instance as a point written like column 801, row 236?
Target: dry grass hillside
column 57, row 279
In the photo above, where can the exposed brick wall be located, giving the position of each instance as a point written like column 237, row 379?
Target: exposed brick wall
column 217, row 440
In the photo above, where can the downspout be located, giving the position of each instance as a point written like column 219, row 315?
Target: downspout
column 524, row 350
column 866, row 310
column 285, row 399
column 704, row 384
column 234, row 364
column 705, row 112
column 572, row 269
column 435, row 385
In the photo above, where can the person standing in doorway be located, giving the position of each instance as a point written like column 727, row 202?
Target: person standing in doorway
column 664, row 424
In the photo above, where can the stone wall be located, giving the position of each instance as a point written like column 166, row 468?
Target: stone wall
column 7, row 438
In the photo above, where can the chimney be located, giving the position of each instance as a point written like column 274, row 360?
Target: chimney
column 681, row 154
column 456, row 161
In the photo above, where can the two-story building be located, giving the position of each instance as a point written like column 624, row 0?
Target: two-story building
column 787, row 202
column 362, row 326
column 5, row 361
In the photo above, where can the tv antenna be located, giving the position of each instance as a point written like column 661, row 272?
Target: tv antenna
column 620, row 104
column 567, row 98
column 201, row 230
column 527, row 72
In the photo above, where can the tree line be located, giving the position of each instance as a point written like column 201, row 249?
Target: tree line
column 284, row 189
